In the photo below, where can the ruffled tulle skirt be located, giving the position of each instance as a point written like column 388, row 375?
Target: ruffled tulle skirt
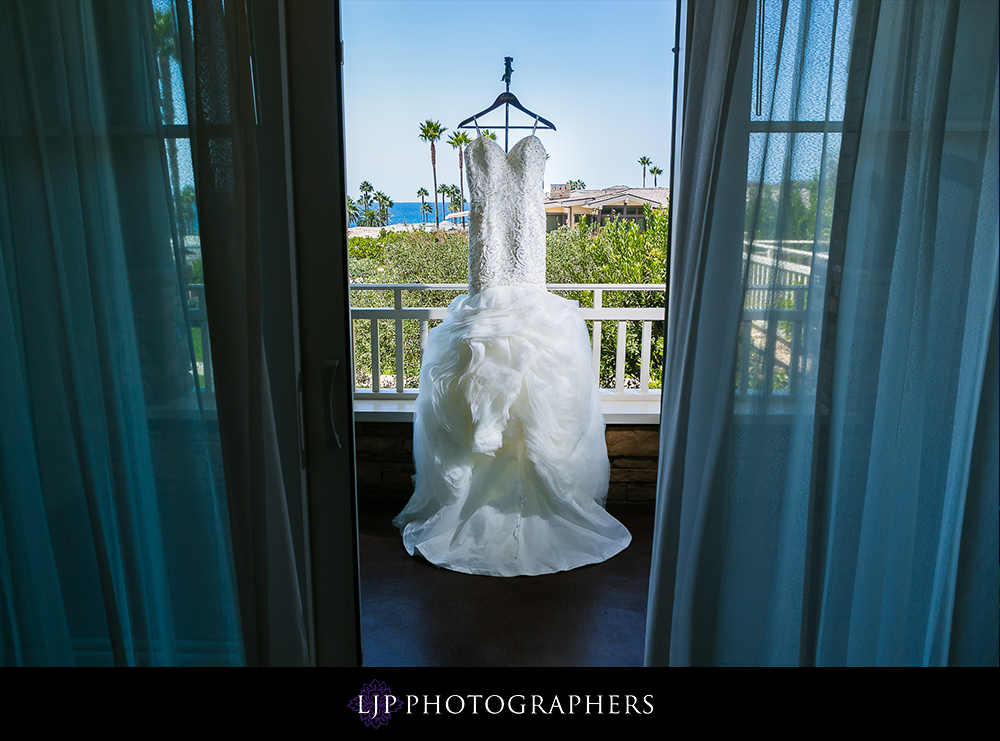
column 508, row 441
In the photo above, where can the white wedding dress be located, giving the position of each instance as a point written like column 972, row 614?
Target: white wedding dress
column 508, row 436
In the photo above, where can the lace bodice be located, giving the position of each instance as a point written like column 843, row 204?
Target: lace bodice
column 507, row 231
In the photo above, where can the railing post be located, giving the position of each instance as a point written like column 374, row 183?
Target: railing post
column 796, row 344
column 206, row 359
column 206, row 342
column 598, row 298
column 647, row 340
column 398, row 305
column 620, row 360
column 376, row 377
column 746, row 340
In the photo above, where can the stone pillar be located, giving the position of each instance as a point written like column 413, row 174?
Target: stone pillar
column 634, row 451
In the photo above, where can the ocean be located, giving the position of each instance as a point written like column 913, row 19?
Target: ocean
column 409, row 213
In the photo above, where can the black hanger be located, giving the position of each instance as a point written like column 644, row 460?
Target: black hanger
column 507, row 99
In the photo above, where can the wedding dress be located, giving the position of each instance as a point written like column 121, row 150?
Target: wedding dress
column 508, row 436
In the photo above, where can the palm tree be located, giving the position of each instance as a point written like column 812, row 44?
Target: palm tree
column 366, row 189
column 384, row 204
column 460, row 140
column 456, row 202
column 425, row 208
column 645, row 162
column 654, row 171
column 422, row 194
column 444, row 191
column 187, row 209
column 488, row 134
column 577, row 185
column 353, row 212
column 431, row 131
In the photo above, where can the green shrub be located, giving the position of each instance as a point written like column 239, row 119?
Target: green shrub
column 619, row 251
column 402, row 257
column 366, row 248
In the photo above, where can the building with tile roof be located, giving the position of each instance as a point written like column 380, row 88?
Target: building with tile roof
column 566, row 206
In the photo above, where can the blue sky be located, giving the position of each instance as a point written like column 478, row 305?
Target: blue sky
column 601, row 71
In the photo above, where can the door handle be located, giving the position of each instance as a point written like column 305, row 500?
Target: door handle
column 330, row 368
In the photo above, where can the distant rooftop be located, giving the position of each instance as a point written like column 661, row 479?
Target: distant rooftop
column 561, row 195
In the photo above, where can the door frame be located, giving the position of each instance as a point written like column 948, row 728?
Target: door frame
column 312, row 98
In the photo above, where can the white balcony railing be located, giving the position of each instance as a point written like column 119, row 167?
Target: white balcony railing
column 776, row 291
column 598, row 315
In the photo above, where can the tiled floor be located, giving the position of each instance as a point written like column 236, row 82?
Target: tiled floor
column 414, row 614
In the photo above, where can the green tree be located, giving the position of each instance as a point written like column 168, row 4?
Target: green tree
column 460, row 140
column 402, row 257
column 187, row 209
column 654, row 171
column 792, row 210
column 384, row 204
column 645, row 162
column 488, row 134
column 619, row 251
column 422, row 194
column 425, row 209
column 432, row 131
column 444, row 190
column 456, row 204
column 577, row 185
column 366, row 189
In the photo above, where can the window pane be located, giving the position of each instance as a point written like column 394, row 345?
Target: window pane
column 172, row 104
column 813, row 44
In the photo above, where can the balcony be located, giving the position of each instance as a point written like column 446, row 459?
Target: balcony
column 626, row 400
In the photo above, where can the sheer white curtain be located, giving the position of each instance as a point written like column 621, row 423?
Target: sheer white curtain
column 828, row 470
column 114, row 545
column 132, row 530
column 216, row 58
column 918, row 298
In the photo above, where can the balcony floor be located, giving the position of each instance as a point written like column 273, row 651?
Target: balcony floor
column 414, row 614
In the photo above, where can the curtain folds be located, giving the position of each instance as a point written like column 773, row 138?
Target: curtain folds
column 829, row 462
column 917, row 302
column 113, row 539
column 704, row 287
column 222, row 116
column 143, row 518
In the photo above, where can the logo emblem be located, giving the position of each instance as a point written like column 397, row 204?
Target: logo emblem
column 375, row 704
